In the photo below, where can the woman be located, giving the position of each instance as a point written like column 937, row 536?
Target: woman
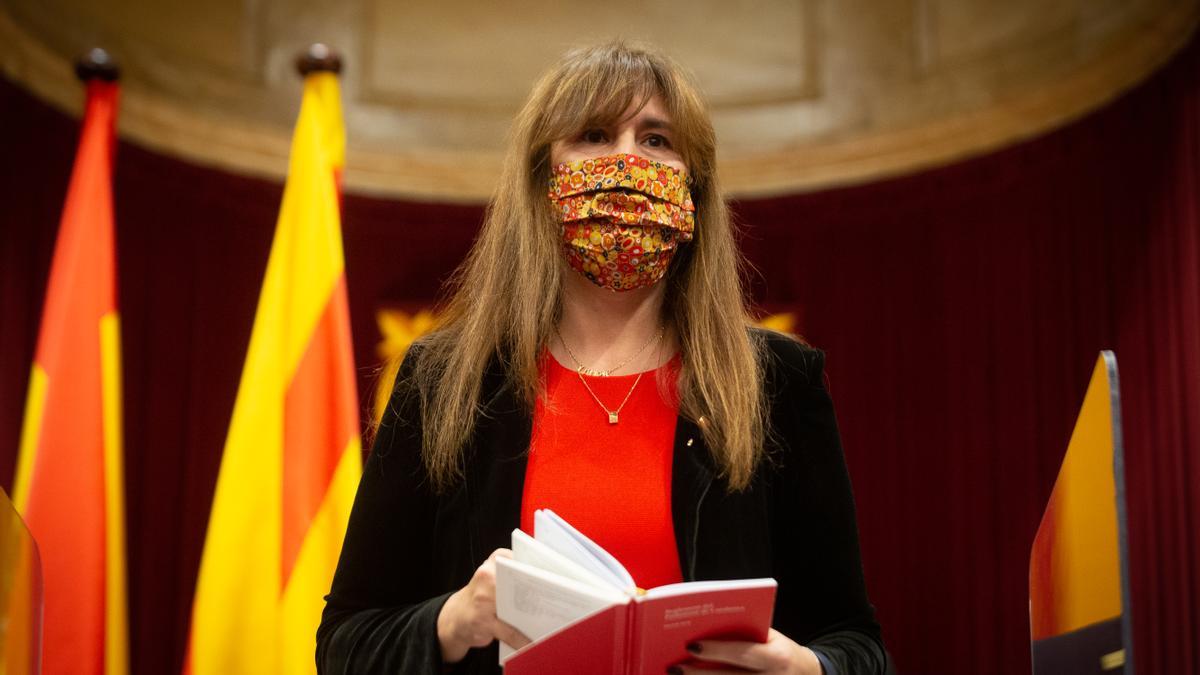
column 596, row 358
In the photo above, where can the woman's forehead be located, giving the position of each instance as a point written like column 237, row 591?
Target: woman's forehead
column 648, row 112
column 653, row 112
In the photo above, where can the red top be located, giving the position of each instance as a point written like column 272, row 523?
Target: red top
column 611, row 481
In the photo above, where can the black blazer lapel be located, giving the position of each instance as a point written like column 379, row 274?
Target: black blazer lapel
column 495, row 467
column 692, row 475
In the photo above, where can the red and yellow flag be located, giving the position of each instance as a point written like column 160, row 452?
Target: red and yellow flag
column 1075, row 577
column 292, row 458
column 69, row 483
column 21, row 591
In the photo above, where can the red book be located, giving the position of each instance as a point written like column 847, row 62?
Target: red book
column 585, row 614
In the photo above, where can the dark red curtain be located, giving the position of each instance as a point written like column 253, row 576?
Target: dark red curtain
column 961, row 308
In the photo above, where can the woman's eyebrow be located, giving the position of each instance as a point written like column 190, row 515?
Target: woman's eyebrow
column 656, row 123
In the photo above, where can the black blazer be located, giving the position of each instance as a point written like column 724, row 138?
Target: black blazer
column 407, row 548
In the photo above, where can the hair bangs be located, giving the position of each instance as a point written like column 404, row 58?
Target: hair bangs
column 599, row 90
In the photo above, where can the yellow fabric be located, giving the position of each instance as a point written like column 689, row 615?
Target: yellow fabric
column 399, row 330
column 1087, row 568
column 303, row 599
column 19, row 584
column 240, row 622
column 35, row 403
column 116, row 636
column 1082, row 539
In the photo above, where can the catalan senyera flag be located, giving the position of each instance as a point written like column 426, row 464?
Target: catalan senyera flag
column 292, row 458
column 69, row 485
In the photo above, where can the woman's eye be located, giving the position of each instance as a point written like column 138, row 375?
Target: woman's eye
column 593, row 136
column 657, row 141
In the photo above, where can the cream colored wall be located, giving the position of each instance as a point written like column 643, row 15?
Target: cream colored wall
column 805, row 94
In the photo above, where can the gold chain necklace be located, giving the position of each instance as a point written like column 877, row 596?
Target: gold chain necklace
column 605, row 373
column 612, row 414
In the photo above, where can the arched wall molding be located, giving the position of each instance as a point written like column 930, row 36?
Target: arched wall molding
column 818, row 94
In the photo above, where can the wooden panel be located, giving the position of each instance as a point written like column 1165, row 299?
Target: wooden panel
column 465, row 54
column 202, row 35
column 805, row 94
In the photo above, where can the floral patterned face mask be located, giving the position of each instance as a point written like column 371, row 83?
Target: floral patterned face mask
column 622, row 218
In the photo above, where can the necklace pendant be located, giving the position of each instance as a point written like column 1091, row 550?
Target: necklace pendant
column 612, row 417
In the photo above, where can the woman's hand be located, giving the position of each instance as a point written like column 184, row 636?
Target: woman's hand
column 468, row 619
column 777, row 655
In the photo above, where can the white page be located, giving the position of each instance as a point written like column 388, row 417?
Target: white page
column 558, row 534
column 528, row 550
column 537, row 602
column 688, row 587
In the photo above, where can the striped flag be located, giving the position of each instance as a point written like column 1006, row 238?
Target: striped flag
column 69, row 485
column 292, row 458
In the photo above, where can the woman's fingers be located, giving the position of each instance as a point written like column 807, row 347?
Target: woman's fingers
column 468, row 619
column 503, row 631
column 509, row 635
column 485, row 580
column 751, row 655
column 777, row 655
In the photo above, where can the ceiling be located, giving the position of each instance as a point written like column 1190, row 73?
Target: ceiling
column 805, row 94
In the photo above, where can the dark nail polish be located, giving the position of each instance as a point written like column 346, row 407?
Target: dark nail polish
column 674, row 670
column 693, row 647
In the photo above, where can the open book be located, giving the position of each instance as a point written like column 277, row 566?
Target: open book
column 585, row 614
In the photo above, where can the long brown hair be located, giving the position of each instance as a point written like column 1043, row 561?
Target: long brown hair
column 506, row 296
